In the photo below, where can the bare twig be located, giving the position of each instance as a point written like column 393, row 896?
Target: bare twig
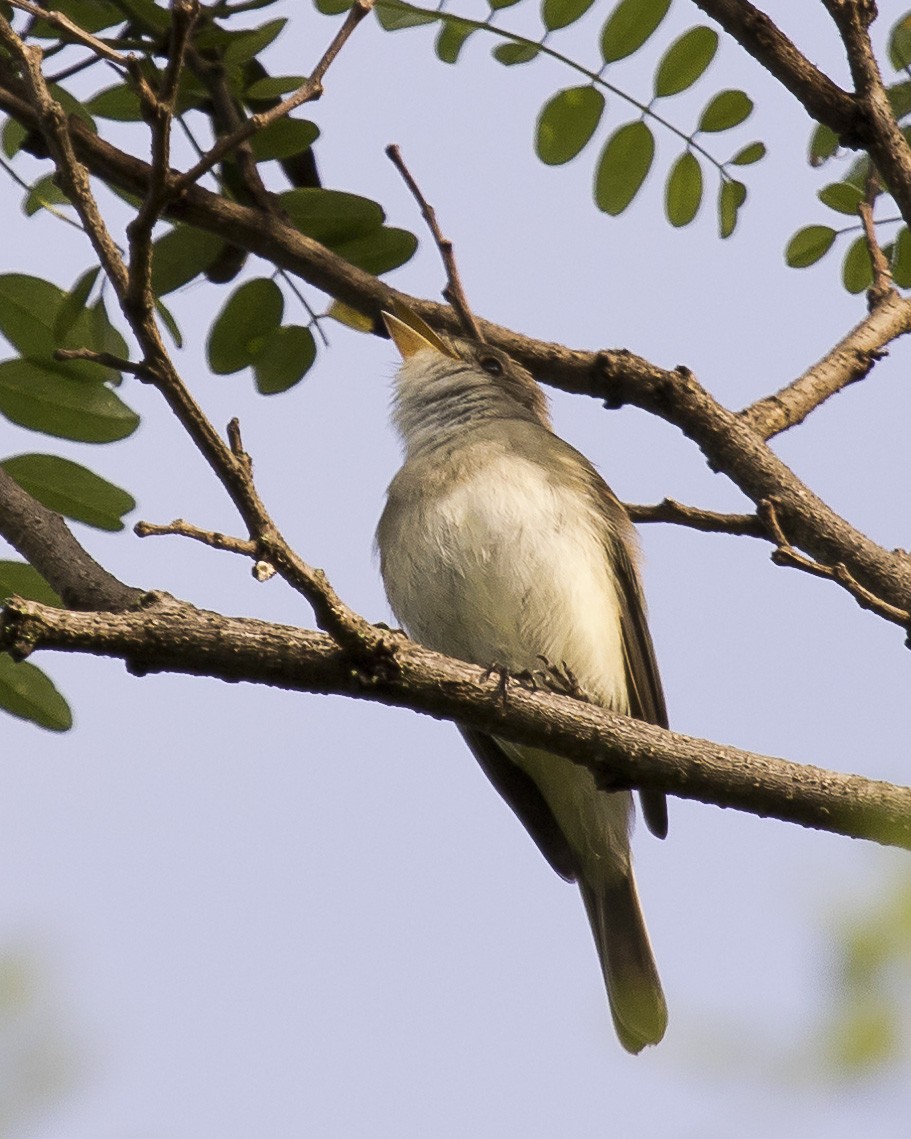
column 709, row 521
column 212, row 538
column 882, row 286
column 311, row 89
column 106, row 360
column 454, row 292
column 784, row 554
column 66, row 25
column 852, row 359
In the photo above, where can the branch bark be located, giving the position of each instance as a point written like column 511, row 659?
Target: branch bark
column 172, row 636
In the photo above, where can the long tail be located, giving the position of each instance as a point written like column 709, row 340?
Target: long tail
column 633, row 987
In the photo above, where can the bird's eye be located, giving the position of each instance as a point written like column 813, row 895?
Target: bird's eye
column 491, row 365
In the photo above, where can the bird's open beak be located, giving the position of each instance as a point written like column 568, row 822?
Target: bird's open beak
column 411, row 335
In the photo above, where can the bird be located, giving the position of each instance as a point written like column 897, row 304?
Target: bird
column 502, row 546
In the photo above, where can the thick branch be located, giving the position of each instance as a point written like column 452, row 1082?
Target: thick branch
column 172, row 636
column 850, row 360
column 44, row 539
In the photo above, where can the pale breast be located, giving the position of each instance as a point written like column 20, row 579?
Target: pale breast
column 506, row 566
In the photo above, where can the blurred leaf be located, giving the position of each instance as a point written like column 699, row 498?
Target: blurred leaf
column 727, row 109
column 274, row 86
column 28, row 313
column 512, row 53
column 74, row 302
column 498, row 5
column 72, row 106
column 629, row 26
column 625, row 161
column 823, row 144
column 900, row 98
column 558, row 14
column 809, row 245
column 167, row 319
column 567, row 122
column 394, row 15
column 44, row 194
column 331, row 216
column 452, row 37
column 120, row 103
column 749, row 154
column 180, row 255
column 246, row 45
column 901, row 259
column 858, row 173
column 283, row 138
column 14, row 133
column 44, row 397
column 147, row 14
column 379, row 252
column 284, row 359
column 350, row 317
column 841, row 197
column 70, row 489
column 685, row 61
column 251, row 314
column 857, row 268
column 900, row 43
column 333, row 7
column 731, row 197
column 91, row 15
column 26, row 692
column 22, row 580
column 683, row 193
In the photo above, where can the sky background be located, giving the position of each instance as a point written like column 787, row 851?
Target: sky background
column 229, row 911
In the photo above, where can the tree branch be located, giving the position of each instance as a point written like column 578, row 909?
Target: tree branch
column 708, row 521
column 852, row 359
column 171, row 636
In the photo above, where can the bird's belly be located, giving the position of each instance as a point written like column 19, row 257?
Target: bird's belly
column 507, row 569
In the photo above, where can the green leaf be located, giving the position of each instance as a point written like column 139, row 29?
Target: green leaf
column 26, row 692
column 147, row 14
column 167, row 319
column 901, row 259
column 727, row 109
column 91, row 15
column 120, row 103
column 625, row 161
column 731, row 197
column 14, row 134
column 333, row 7
column 284, row 359
column 683, row 192
column 685, row 61
column 182, row 254
column 74, row 302
column 251, row 314
column 841, row 197
column 749, row 154
column 394, row 15
column 498, row 5
column 823, row 144
column 246, row 45
column 512, row 53
column 558, row 14
column 274, row 86
column 567, row 122
column 379, row 252
column 72, row 106
column 331, row 216
column 44, row 397
column 70, row 489
column 44, row 194
column 28, row 313
column 900, row 43
column 630, row 24
column 900, row 98
column 283, row 138
column 452, row 37
column 809, row 245
column 857, row 267
column 19, row 579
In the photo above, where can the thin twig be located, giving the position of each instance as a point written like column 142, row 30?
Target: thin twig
column 243, row 546
column 882, row 286
column 65, row 24
column 453, row 293
column 708, row 521
column 106, row 360
column 311, row 89
column 785, row 554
